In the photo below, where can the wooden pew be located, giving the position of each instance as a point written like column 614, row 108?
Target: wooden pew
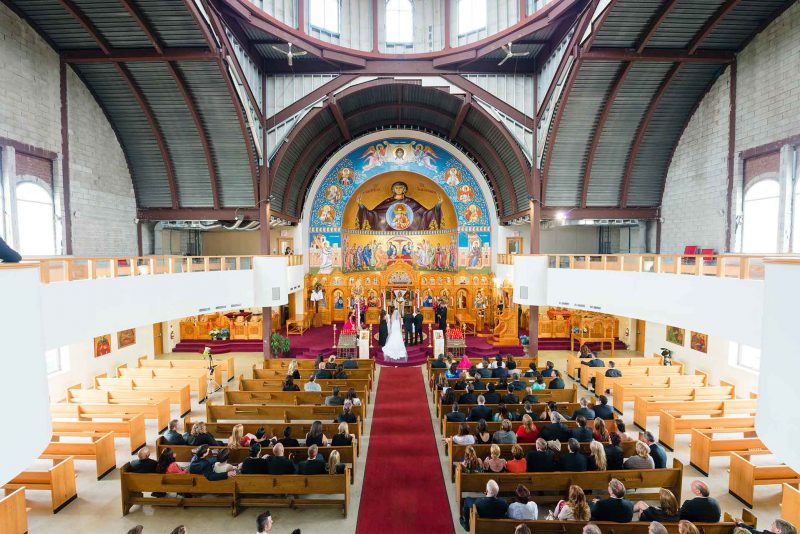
column 252, row 384
column 565, row 408
column 197, row 379
column 704, row 445
column 745, row 476
column 507, row 526
column 451, row 429
column 183, row 453
column 159, row 411
column 559, row 396
column 254, row 412
column 702, row 400
column 59, row 480
column 790, row 504
column 237, row 492
column 299, row 430
column 557, row 482
column 279, row 374
column 455, row 453
column 99, row 448
column 227, row 365
column 673, row 422
column 574, row 363
column 605, row 383
column 159, row 401
column 177, row 390
column 296, row 398
column 652, row 386
column 523, row 364
column 131, row 427
column 13, row 513
column 283, row 363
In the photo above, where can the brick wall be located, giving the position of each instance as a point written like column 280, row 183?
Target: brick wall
column 694, row 206
column 103, row 203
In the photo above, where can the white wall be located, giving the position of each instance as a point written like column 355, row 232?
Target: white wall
column 82, row 366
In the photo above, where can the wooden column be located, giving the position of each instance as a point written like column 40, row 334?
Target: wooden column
column 265, row 214
column 535, row 209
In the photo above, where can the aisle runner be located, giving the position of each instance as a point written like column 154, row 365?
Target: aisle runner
column 403, row 485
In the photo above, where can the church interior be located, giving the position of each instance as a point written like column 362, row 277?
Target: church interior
column 485, row 266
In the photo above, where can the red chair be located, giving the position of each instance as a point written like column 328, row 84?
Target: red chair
column 689, row 250
column 708, row 256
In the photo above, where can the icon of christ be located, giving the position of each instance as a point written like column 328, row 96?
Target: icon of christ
column 420, row 218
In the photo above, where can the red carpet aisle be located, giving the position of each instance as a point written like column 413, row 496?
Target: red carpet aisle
column 403, row 484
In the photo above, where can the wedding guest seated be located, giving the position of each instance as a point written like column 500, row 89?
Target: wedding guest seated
column 614, row 454
column 167, row 463
column 557, row 382
column 575, row 508
column 263, row 523
column 343, row 437
column 527, row 409
column 350, row 363
column 203, row 464
column 517, row 463
column 172, row 436
column 493, row 462
column 510, row 397
column 278, row 464
column 516, row 383
column 539, row 384
column 503, row 413
column 574, row 460
column 352, row 396
column 143, row 463
column 656, row 528
column 335, row 465
column 657, row 453
column 532, row 372
column 591, row 528
column 556, row 429
column 779, row 526
column 523, row 507
column 289, row 385
column 314, row 465
column 702, row 508
column 471, row 463
column 584, row 352
column 346, row 415
column 603, row 410
column 623, row 436
column 438, row 363
column 594, row 361
column 484, row 370
column 666, row 511
column 481, row 411
column 549, row 370
column 312, row 385
column 489, row 507
column 504, row 435
column 687, row 527
column 316, row 436
column 331, row 363
column 200, row 436
column 522, row 528
column 612, row 370
column 597, row 457
column 616, row 508
column 640, row 460
column 334, row 399
column 477, row 385
column 582, row 432
column 491, row 396
column 540, row 460
column 498, row 362
column 340, row 373
column 455, row 416
column 253, row 465
column 452, row 372
column 448, row 396
column 482, row 434
column 463, row 437
column 527, row 431
column 511, row 364
column 462, row 382
column 237, row 439
column 287, row 440
column 293, row 370
column 222, row 465
column 584, row 410
column 529, row 396
column 323, row 372
column 499, row 371
column 469, row 397
column 600, row 432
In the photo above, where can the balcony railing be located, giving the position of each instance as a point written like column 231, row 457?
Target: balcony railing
column 71, row 268
column 741, row 266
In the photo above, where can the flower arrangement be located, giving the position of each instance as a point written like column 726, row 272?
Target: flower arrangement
column 524, row 340
column 278, row 344
column 214, row 333
column 455, row 333
column 224, row 333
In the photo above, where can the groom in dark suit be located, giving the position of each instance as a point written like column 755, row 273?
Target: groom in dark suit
column 418, row 327
column 408, row 322
column 442, row 311
column 383, row 329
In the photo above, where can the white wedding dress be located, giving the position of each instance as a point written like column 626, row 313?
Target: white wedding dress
column 395, row 349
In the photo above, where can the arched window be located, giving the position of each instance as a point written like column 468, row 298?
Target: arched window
column 761, row 215
column 399, row 22
column 324, row 15
column 35, row 220
column 471, row 16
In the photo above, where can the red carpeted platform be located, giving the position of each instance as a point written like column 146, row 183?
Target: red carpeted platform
column 403, row 487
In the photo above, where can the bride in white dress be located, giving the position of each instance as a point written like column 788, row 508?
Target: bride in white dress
column 395, row 349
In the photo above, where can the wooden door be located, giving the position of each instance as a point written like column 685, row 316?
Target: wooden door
column 640, row 335
column 158, row 339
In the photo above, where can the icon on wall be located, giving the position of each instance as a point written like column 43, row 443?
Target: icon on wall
column 102, row 345
column 699, row 342
column 676, row 335
column 326, row 214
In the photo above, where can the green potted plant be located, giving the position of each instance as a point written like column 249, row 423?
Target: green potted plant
column 278, row 344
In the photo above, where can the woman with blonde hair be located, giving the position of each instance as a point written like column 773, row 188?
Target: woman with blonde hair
column 687, row 527
column 471, row 462
column 493, row 462
column 343, row 437
column 199, row 435
column 237, row 440
column 597, row 457
column 293, row 371
column 518, row 463
column 527, row 431
column 335, row 465
column 642, row 458
column 575, row 508
column 666, row 511
column 600, row 431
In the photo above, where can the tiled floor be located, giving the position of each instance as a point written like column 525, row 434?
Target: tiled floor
column 98, row 508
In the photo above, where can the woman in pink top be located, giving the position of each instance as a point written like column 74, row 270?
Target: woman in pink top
column 464, row 363
column 167, row 463
column 493, row 462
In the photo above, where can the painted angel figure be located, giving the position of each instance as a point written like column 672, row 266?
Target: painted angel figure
column 425, row 156
column 374, row 156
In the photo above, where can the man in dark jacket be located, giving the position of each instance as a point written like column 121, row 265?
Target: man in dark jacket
column 314, row 465
column 322, row 373
column 491, row 396
column 418, row 318
column 779, row 526
column 500, row 372
column 656, row 451
column 456, row 416
column 603, row 410
column 574, row 460
column 477, row 384
column 253, row 465
column 540, row 460
column 172, row 436
column 614, row 454
column 612, row 371
column 557, row 382
column 350, row 363
column 556, row 430
column 439, row 362
column 701, row 509
column 582, row 433
column 517, row 384
column 8, row 254
column 383, row 330
column 549, row 370
column 489, row 507
column 347, row 415
column 584, row 410
column 203, row 464
column 408, row 325
column 441, row 311
column 287, row 440
column 616, row 508
column 510, row 397
column 481, row 411
column 469, row 397
column 278, row 464
column 334, row 399
column 532, row 372
column 143, row 463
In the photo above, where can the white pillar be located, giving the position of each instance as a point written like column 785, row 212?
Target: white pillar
column 9, row 171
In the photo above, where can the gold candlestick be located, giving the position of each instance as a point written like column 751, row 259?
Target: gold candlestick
column 370, row 336
column 430, row 335
column 334, row 335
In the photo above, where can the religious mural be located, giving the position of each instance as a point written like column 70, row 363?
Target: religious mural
column 370, row 252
